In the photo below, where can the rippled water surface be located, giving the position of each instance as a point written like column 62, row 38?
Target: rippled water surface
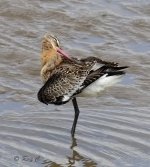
column 114, row 129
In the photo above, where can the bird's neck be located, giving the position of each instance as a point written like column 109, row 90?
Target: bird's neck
column 50, row 60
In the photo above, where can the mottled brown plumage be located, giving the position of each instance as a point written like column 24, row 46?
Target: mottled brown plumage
column 65, row 80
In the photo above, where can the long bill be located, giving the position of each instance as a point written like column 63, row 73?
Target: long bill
column 62, row 52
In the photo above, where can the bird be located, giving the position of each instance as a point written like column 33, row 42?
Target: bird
column 65, row 77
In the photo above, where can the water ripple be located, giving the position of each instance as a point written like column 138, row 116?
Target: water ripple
column 114, row 129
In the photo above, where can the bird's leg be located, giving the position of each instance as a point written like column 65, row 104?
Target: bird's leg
column 76, row 109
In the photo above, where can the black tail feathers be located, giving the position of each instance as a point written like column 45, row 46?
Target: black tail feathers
column 116, row 71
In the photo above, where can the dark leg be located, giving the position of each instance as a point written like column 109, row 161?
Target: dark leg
column 76, row 109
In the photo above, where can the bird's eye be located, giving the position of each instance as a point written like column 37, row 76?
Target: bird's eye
column 57, row 41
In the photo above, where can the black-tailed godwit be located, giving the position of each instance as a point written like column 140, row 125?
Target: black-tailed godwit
column 66, row 77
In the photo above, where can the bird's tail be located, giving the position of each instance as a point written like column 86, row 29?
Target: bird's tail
column 115, row 70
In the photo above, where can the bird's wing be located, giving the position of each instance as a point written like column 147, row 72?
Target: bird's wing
column 100, row 68
column 65, row 81
column 104, row 70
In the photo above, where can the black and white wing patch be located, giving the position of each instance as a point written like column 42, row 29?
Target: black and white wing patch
column 104, row 71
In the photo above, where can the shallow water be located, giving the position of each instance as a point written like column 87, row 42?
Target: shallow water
column 114, row 129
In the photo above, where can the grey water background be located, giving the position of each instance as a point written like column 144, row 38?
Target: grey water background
column 114, row 129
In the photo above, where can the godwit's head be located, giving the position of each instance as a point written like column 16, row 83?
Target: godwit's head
column 51, row 49
column 50, row 42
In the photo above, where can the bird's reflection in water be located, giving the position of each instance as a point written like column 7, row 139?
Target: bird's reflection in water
column 72, row 159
